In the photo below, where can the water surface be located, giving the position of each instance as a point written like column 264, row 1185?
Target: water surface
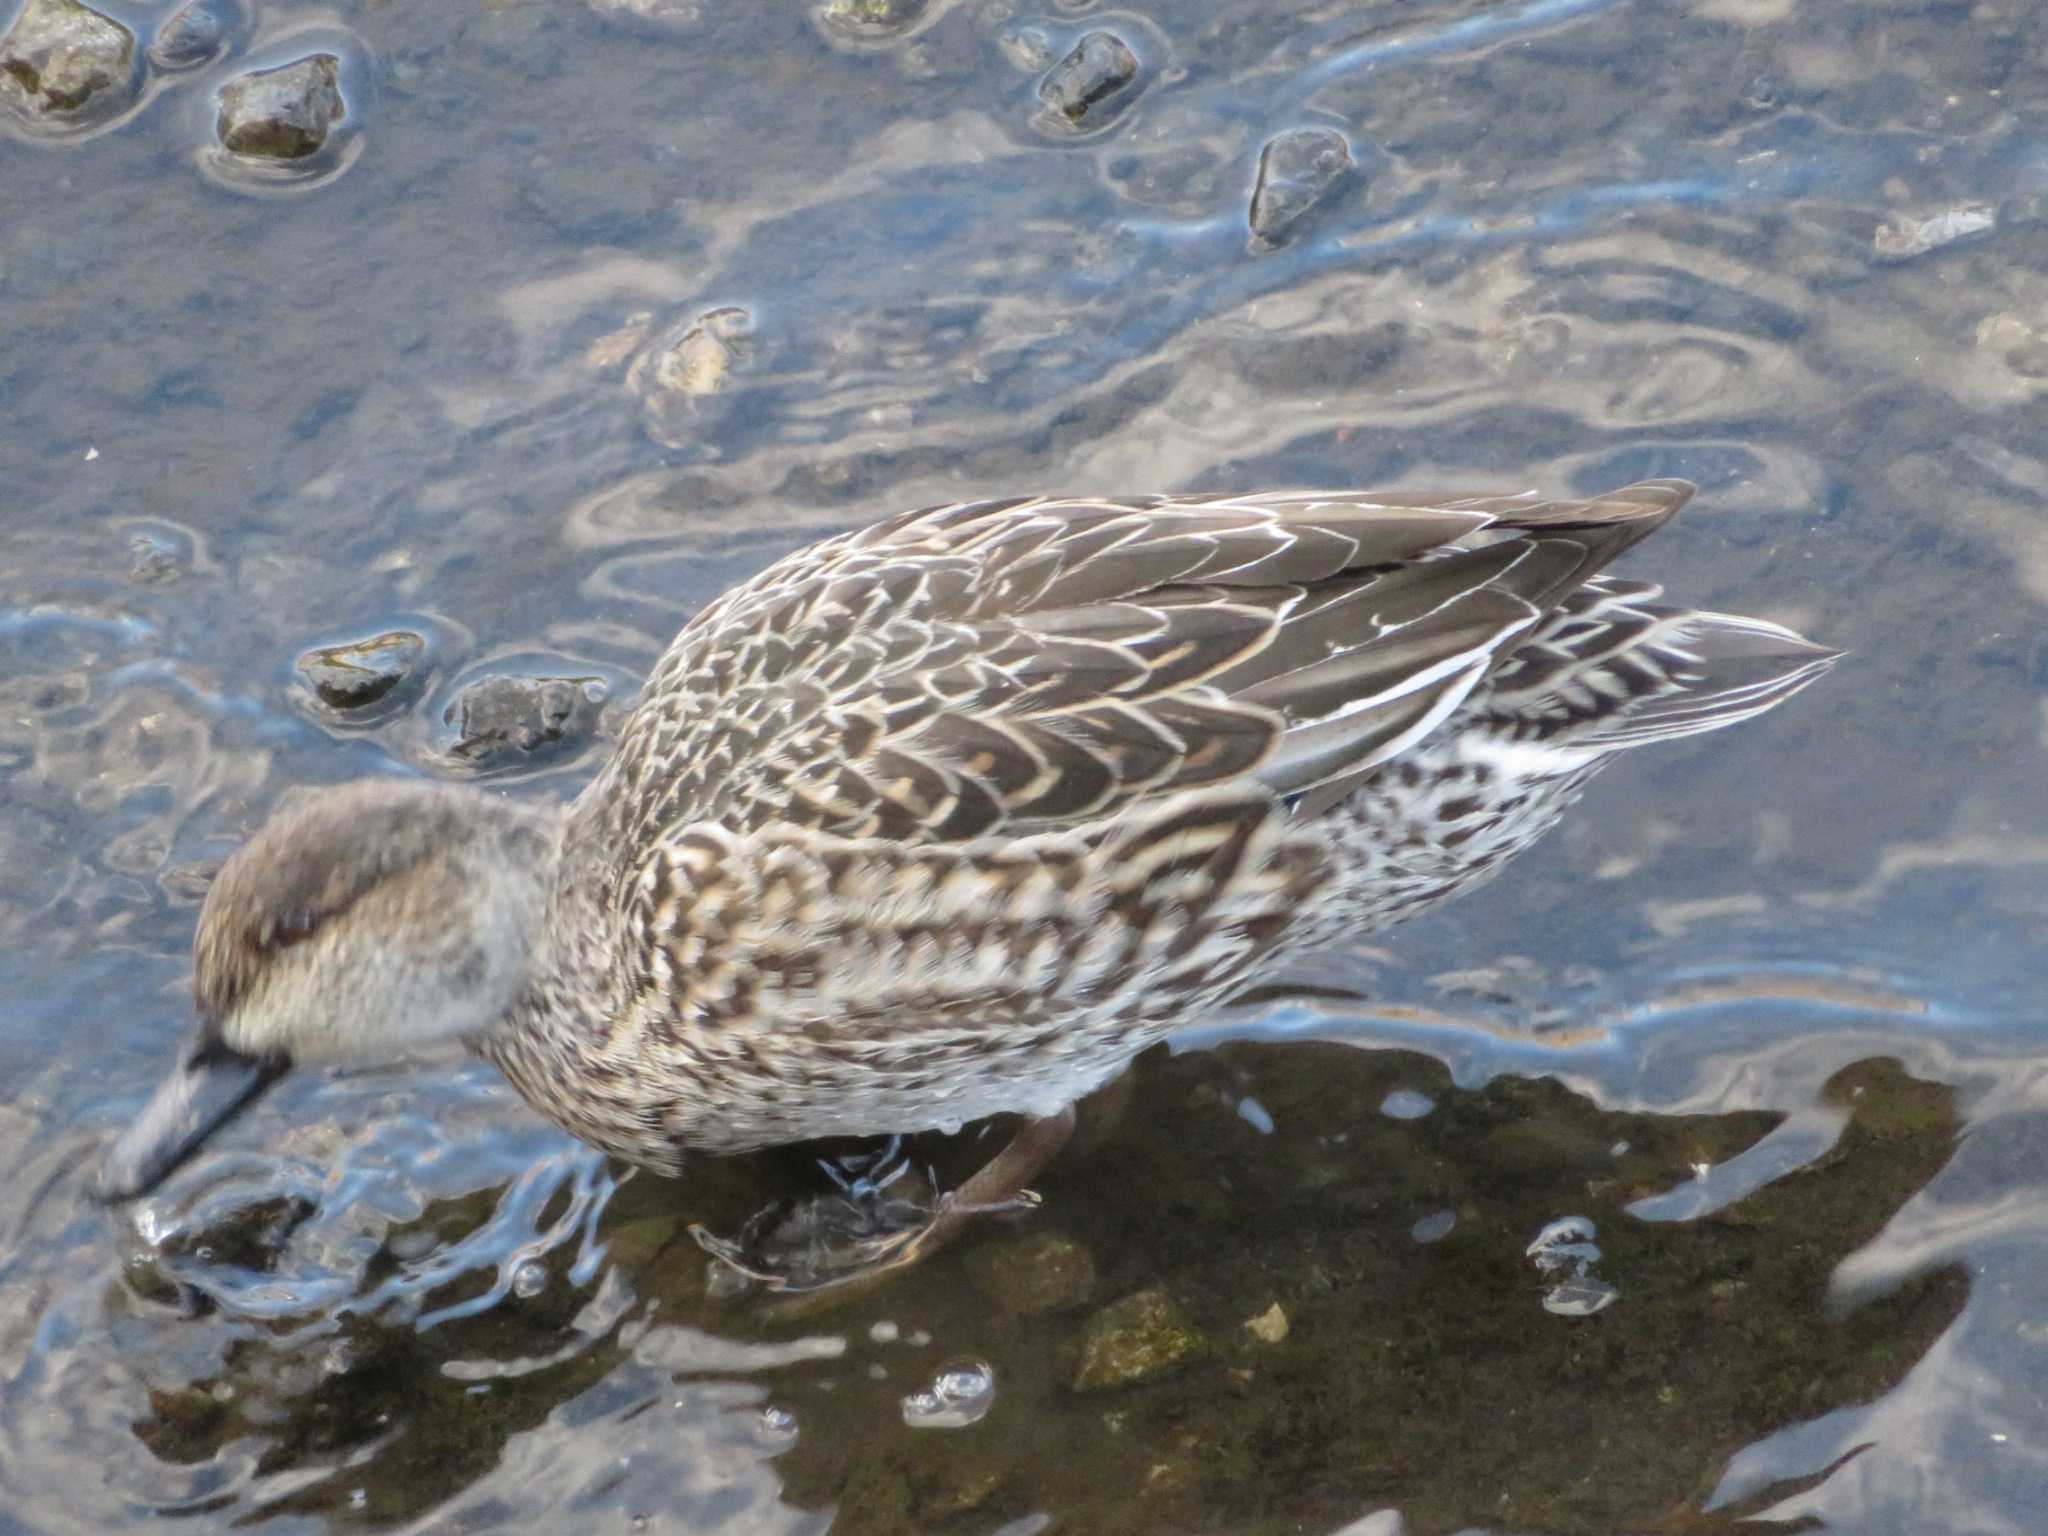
column 1756, row 1038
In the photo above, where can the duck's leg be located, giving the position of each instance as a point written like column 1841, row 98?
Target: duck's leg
column 999, row 1185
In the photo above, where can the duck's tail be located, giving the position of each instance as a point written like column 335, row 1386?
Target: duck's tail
column 1613, row 669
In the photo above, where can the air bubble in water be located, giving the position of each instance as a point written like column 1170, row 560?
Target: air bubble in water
column 1436, row 1225
column 529, row 1280
column 1565, row 1249
column 1406, row 1104
column 961, row 1394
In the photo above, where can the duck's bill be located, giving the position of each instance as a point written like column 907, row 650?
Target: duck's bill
column 209, row 1086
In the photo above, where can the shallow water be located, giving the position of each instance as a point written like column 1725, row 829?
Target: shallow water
column 1761, row 1025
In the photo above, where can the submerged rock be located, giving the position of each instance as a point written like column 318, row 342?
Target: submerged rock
column 1904, row 236
column 685, row 366
column 195, row 34
column 284, row 113
column 1298, row 170
column 1270, row 1326
column 1140, row 1338
column 1093, row 82
column 869, row 20
column 1036, row 1272
column 501, row 720
column 64, row 66
column 351, row 677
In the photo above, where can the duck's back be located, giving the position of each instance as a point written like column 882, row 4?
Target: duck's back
column 960, row 810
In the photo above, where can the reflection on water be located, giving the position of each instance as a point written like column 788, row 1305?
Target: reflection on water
column 603, row 305
column 1326, row 1329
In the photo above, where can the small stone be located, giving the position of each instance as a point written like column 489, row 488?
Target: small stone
column 1033, row 1273
column 1297, row 170
column 682, row 367
column 1140, row 1338
column 1270, row 1326
column 153, row 559
column 66, row 63
column 356, row 676
column 1903, row 236
column 872, row 19
column 2019, row 340
column 1084, row 86
column 195, row 34
column 500, row 719
column 284, row 113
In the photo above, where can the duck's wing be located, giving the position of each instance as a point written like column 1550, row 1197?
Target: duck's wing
column 1018, row 667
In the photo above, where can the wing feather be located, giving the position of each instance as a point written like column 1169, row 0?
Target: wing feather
column 1009, row 668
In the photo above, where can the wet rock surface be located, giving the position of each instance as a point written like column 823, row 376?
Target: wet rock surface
column 64, row 66
column 352, row 678
column 505, row 722
column 1093, row 83
column 1298, row 170
column 285, row 113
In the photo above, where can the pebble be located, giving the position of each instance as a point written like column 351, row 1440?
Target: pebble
column 872, row 20
column 1298, row 170
column 284, row 113
column 1144, row 1336
column 500, row 720
column 64, row 66
column 195, row 34
column 1904, row 236
column 1092, row 83
column 1034, row 1273
column 353, row 677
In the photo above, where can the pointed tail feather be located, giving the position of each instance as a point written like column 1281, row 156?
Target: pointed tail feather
column 1730, row 669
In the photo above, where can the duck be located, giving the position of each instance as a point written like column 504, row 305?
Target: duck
column 951, row 816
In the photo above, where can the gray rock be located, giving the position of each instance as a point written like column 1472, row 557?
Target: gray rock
column 1298, row 170
column 1093, row 81
column 353, row 677
column 65, row 66
column 500, row 721
column 284, row 113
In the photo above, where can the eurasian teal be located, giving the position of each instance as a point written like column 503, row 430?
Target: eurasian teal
column 952, row 816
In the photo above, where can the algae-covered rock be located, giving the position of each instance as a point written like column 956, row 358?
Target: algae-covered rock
column 1033, row 1273
column 1140, row 1338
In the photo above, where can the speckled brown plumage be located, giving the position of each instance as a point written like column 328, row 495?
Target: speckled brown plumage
column 953, row 815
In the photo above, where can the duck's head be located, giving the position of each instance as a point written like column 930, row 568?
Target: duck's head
column 361, row 923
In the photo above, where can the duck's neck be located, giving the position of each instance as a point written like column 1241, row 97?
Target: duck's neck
column 555, row 1043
